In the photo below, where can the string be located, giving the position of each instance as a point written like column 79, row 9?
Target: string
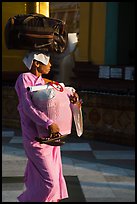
column 58, row 86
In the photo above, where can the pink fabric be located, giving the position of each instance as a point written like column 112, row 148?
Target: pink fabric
column 43, row 176
column 56, row 105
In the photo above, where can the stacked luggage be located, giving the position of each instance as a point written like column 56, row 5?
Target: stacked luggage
column 36, row 32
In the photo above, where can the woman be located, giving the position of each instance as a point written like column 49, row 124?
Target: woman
column 43, row 176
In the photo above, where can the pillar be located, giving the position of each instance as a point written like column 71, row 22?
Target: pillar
column 97, row 32
column 38, row 7
column 11, row 59
column 111, row 33
column 84, row 28
column 92, row 32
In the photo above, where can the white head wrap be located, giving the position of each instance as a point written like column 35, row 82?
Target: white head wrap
column 41, row 57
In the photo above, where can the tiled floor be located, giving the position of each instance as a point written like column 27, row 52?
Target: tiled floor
column 94, row 171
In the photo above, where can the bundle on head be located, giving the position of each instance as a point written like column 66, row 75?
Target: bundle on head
column 36, row 32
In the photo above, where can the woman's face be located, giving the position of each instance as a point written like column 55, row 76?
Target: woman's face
column 44, row 69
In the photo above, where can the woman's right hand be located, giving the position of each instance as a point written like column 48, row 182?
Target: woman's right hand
column 53, row 129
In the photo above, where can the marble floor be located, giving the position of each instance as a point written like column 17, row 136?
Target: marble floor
column 94, row 171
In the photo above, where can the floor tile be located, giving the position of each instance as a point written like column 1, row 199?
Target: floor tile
column 76, row 147
column 94, row 171
column 16, row 139
column 8, row 133
column 10, row 196
column 115, row 154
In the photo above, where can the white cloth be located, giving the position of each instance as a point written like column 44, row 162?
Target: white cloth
column 41, row 57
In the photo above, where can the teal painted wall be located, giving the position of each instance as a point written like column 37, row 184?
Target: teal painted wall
column 111, row 33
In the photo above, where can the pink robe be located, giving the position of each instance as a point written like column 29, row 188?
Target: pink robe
column 43, row 176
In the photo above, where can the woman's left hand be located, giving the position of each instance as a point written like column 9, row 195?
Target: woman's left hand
column 74, row 98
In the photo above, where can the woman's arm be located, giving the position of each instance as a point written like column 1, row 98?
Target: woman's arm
column 29, row 109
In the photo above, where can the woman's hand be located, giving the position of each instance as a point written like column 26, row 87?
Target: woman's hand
column 53, row 130
column 74, row 98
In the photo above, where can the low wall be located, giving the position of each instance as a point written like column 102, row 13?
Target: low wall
column 10, row 115
column 109, row 118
